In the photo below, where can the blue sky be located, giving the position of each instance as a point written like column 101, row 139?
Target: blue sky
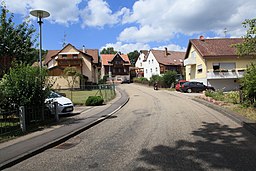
column 129, row 25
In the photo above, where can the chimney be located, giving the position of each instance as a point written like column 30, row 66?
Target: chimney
column 84, row 49
column 166, row 51
column 201, row 38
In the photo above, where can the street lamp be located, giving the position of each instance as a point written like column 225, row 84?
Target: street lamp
column 40, row 14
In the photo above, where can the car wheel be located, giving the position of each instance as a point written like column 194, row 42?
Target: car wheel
column 189, row 90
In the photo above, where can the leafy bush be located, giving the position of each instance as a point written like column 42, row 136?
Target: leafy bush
column 156, row 78
column 23, row 86
column 169, row 78
column 141, row 80
column 249, row 85
column 233, row 97
column 216, row 95
column 94, row 101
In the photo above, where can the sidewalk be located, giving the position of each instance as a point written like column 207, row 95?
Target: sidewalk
column 17, row 150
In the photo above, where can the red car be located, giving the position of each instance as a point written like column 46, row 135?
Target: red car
column 179, row 84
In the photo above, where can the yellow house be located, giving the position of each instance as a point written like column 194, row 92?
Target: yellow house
column 85, row 61
column 215, row 62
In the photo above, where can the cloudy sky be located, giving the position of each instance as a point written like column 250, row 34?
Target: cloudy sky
column 129, row 25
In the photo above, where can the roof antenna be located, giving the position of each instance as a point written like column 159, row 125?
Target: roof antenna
column 64, row 43
column 225, row 32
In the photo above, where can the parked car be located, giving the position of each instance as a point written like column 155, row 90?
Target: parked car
column 64, row 105
column 179, row 84
column 195, row 87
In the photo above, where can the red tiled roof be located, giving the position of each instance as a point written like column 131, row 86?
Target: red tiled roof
column 215, row 47
column 172, row 57
column 109, row 57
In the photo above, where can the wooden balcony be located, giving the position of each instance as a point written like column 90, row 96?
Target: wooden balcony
column 69, row 62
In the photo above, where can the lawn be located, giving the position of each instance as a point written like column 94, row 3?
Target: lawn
column 79, row 97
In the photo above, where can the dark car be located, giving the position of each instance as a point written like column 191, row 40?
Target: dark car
column 179, row 84
column 195, row 87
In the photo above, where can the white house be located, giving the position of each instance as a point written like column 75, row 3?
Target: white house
column 159, row 61
column 139, row 65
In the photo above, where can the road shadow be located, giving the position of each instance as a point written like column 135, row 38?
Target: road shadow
column 216, row 147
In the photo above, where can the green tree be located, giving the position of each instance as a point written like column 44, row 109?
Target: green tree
column 248, row 47
column 133, row 56
column 169, row 78
column 72, row 76
column 16, row 42
column 249, row 85
column 109, row 50
column 24, row 85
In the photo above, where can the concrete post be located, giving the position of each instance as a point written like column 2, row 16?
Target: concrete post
column 22, row 118
column 55, row 104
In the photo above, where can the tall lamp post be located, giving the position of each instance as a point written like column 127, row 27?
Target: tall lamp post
column 40, row 14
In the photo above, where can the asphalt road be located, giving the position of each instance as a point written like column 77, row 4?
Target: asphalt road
column 155, row 130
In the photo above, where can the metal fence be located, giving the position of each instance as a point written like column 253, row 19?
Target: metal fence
column 106, row 91
column 17, row 122
column 9, row 122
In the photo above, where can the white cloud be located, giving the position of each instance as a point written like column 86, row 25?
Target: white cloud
column 63, row 12
column 98, row 14
column 160, row 20
column 126, row 48
column 144, row 34
column 171, row 47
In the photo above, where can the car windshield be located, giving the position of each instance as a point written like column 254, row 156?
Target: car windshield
column 182, row 83
column 54, row 95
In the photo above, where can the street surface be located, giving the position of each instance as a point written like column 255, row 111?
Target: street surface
column 155, row 130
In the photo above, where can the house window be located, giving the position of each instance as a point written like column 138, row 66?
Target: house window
column 152, row 61
column 216, row 66
column 148, row 61
column 156, row 70
column 124, row 70
column 119, row 70
column 64, row 56
column 141, row 64
column 223, row 66
column 146, row 71
column 199, row 68
column 75, row 56
column 151, row 70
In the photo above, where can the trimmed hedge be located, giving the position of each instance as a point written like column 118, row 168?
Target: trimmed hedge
column 94, row 101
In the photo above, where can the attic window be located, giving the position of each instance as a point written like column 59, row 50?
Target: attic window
column 64, row 56
column 75, row 56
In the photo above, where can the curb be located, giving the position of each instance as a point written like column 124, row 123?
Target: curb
column 244, row 122
column 62, row 139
